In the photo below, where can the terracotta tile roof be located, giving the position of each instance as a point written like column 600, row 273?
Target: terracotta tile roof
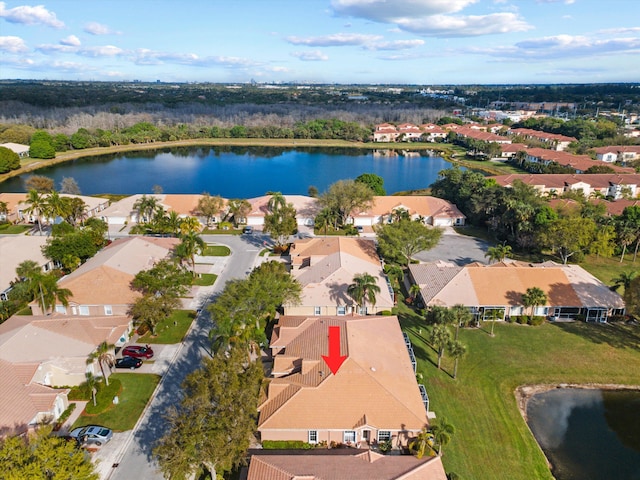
column 305, row 206
column 424, row 205
column 29, row 339
column 15, row 249
column 181, row 204
column 481, row 135
column 618, row 149
column 357, row 466
column 502, row 284
column 105, row 279
column 560, row 180
column 376, row 381
column 544, row 136
column 21, row 401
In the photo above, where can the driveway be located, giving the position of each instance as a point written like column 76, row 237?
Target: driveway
column 456, row 248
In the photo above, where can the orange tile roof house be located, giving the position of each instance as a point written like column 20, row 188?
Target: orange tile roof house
column 618, row 153
column 122, row 211
column 16, row 203
column 101, row 286
column 556, row 141
column 15, row 249
column 580, row 163
column 571, row 291
column 42, row 352
column 325, row 267
column 373, row 397
column 432, row 210
column 306, row 209
column 607, row 184
column 366, row 465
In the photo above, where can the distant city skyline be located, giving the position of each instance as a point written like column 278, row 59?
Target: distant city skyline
column 426, row 42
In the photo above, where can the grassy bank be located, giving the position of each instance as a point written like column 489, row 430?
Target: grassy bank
column 492, row 441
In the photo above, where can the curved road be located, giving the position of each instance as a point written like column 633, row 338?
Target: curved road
column 137, row 461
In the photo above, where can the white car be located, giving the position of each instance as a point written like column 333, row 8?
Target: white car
column 91, row 435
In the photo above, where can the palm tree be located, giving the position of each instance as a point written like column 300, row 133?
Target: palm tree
column 442, row 432
column 363, row 289
column 498, row 253
column 422, row 444
column 190, row 225
column 624, row 280
column 55, row 206
column 103, row 354
column 238, row 209
column 494, row 314
column 91, row 385
column 324, row 218
column 457, row 350
column 190, row 246
column 171, row 222
column 439, row 339
column 36, row 203
column 414, row 291
column 277, row 202
column 534, row 297
column 4, row 208
column 42, row 287
column 145, row 206
column 461, row 317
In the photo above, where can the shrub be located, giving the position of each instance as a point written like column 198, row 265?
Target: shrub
column 385, row 446
column 522, row 319
column 385, row 313
column 536, row 321
column 286, row 445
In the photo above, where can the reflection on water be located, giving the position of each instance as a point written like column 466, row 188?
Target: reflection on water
column 588, row 434
column 240, row 172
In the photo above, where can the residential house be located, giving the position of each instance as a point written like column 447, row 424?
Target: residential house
column 429, row 210
column 385, row 132
column 326, row 266
column 495, row 291
column 610, row 185
column 25, row 405
column 20, row 149
column 372, row 398
column 555, row 141
column 101, row 286
column 433, row 132
column 123, row 212
column 17, row 204
column 618, row 153
column 510, row 150
column 306, row 209
column 580, row 163
column 407, row 132
column 481, row 135
column 40, row 353
column 15, row 249
column 359, row 465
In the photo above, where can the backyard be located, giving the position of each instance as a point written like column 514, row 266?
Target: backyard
column 492, row 440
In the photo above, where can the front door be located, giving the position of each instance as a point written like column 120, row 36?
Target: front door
column 366, row 435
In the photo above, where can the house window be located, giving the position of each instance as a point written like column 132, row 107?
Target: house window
column 349, row 436
column 313, row 436
column 83, row 310
column 317, row 310
column 61, row 309
column 342, row 310
column 108, row 310
column 384, row 435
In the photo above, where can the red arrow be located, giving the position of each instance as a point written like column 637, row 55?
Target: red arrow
column 334, row 360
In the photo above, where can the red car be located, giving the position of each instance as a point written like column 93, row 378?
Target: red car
column 137, row 351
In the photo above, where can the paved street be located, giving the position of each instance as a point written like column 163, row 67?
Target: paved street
column 132, row 451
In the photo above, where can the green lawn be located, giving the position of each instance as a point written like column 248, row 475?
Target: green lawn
column 171, row 329
column 492, row 441
column 217, row 231
column 205, row 279
column 133, row 397
column 216, row 251
column 11, row 229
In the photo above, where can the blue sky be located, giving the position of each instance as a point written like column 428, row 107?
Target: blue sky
column 322, row 41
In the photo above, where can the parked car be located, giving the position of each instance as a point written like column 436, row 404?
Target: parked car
column 91, row 435
column 359, row 228
column 128, row 362
column 247, row 230
column 137, row 351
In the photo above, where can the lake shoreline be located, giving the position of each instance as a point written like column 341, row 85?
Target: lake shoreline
column 62, row 157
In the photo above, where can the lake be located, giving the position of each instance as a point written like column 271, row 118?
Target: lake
column 588, row 434
column 239, row 172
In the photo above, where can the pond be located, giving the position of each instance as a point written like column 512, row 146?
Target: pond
column 588, row 434
column 240, row 172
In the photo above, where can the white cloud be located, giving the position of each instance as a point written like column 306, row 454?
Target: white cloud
column 101, row 51
column 28, row 15
column 95, row 28
column 386, row 11
column 562, row 47
column 396, row 45
column 334, row 40
column 48, row 49
column 567, row 2
column 465, row 26
column 146, row 56
column 13, row 45
column 619, row 31
column 314, row 56
column 71, row 41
